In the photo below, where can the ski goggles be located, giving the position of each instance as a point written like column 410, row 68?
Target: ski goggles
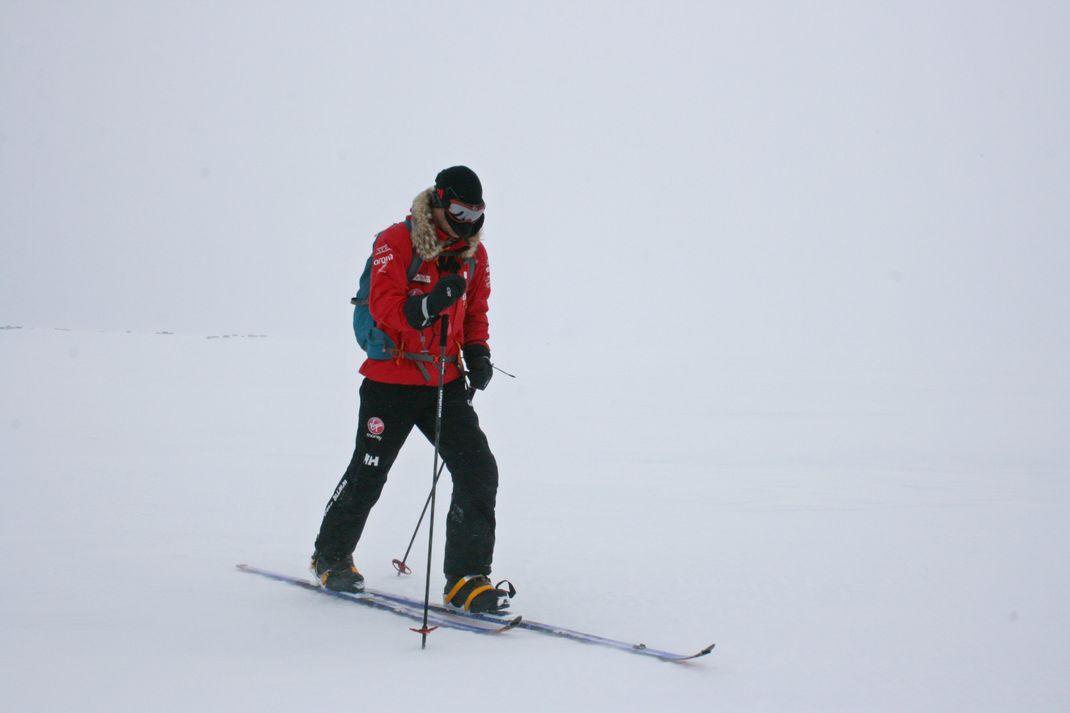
column 464, row 212
column 458, row 211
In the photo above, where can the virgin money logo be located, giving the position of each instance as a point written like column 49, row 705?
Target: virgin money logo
column 376, row 426
column 382, row 262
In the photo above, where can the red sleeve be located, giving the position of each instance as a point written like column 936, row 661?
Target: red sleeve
column 476, row 326
column 390, row 281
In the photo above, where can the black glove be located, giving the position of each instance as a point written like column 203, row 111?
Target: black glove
column 477, row 359
column 421, row 310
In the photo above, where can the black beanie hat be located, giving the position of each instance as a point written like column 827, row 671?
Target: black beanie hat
column 462, row 183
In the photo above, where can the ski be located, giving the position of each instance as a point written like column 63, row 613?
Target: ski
column 440, row 615
column 552, row 630
column 409, row 609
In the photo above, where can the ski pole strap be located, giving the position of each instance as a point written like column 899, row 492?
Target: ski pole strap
column 423, row 359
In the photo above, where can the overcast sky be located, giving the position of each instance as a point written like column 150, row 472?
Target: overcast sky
column 876, row 178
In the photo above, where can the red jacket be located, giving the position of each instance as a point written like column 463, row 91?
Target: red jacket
column 390, row 288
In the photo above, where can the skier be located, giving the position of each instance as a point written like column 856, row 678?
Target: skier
column 443, row 231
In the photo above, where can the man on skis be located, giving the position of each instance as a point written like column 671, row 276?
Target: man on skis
column 431, row 264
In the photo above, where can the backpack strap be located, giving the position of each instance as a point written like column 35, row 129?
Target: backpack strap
column 417, row 263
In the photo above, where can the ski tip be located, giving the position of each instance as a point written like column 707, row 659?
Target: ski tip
column 704, row 652
column 683, row 659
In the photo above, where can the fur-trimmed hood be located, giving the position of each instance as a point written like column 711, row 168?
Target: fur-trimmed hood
column 424, row 235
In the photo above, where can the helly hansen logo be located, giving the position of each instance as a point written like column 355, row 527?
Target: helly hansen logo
column 371, row 460
column 337, row 494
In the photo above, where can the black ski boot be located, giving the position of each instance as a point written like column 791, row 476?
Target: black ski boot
column 475, row 593
column 338, row 575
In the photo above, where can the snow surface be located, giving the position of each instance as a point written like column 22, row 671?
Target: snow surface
column 785, row 290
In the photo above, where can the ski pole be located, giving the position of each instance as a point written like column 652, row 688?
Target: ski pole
column 435, row 473
column 401, row 565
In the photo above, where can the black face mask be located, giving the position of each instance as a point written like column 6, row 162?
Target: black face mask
column 466, row 230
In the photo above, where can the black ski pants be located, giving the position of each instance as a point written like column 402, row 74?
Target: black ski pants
column 387, row 414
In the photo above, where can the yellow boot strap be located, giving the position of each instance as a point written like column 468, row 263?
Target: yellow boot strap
column 475, row 593
column 456, row 588
column 471, row 597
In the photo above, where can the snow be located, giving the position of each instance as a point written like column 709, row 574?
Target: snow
column 784, row 290
column 143, row 467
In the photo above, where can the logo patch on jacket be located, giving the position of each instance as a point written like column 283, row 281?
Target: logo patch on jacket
column 422, row 278
column 382, row 262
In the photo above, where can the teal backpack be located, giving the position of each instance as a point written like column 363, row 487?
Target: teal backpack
column 370, row 338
